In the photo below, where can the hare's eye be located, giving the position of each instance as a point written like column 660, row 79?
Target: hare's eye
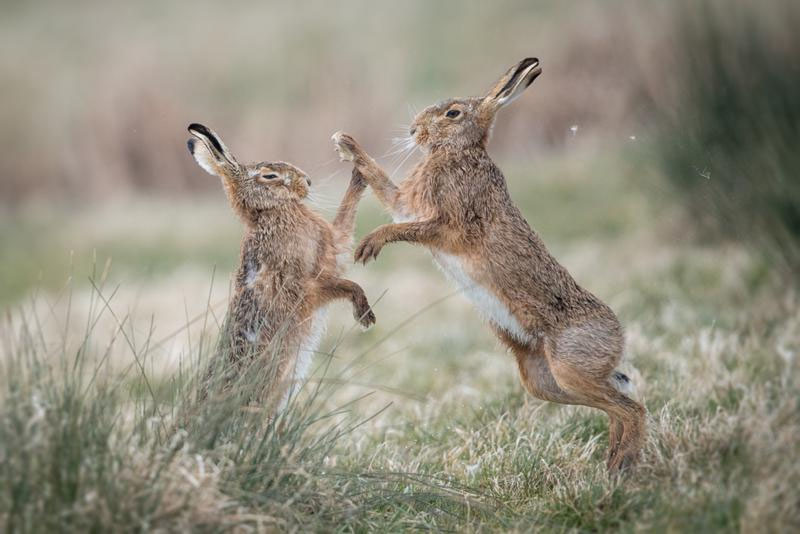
column 270, row 176
column 452, row 114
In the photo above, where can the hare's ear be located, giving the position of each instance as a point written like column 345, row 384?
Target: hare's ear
column 209, row 152
column 512, row 83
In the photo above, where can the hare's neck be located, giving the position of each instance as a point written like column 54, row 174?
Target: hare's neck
column 282, row 217
column 457, row 154
column 447, row 164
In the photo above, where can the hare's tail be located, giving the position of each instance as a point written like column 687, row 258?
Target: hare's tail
column 623, row 383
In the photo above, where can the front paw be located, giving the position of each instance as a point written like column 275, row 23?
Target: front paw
column 368, row 249
column 345, row 146
column 357, row 180
column 365, row 317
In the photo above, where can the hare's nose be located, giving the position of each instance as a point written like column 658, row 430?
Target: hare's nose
column 308, row 181
column 413, row 130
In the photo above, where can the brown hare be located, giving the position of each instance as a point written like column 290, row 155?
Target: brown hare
column 566, row 341
column 290, row 265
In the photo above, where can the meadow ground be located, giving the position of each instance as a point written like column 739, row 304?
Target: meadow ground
column 418, row 423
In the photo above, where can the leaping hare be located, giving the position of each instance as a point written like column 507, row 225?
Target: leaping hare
column 290, row 260
column 566, row 341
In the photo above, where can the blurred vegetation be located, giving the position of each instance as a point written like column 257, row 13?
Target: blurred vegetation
column 149, row 238
column 730, row 141
column 100, row 428
column 99, row 103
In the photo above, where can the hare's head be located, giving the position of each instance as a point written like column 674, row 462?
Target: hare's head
column 464, row 122
column 251, row 186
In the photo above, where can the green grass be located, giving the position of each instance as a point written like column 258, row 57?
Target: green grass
column 419, row 423
column 43, row 247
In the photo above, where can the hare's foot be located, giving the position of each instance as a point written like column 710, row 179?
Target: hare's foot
column 367, row 170
column 369, row 248
column 615, row 431
column 365, row 318
column 345, row 146
column 362, row 311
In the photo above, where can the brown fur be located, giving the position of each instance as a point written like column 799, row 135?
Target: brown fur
column 456, row 203
column 289, row 265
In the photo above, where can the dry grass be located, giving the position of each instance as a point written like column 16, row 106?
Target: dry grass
column 419, row 423
column 445, row 438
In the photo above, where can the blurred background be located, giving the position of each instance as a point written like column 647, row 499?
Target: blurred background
column 657, row 156
column 655, row 126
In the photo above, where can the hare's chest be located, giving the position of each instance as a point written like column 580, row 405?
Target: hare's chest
column 267, row 264
column 484, row 298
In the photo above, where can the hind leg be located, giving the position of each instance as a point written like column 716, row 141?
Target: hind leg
column 631, row 439
column 626, row 416
column 534, row 371
column 622, row 384
column 538, row 380
column 570, row 380
column 615, row 430
column 582, row 361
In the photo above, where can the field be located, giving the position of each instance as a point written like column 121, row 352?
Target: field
column 117, row 253
column 433, row 429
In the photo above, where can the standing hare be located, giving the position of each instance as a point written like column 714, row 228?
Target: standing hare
column 290, row 266
column 566, row 341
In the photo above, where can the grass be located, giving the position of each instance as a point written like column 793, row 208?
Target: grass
column 419, row 423
column 41, row 246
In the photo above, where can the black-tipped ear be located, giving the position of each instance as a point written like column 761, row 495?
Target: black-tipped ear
column 514, row 81
column 516, row 72
column 199, row 129
column 215, row 149
column 209, row 151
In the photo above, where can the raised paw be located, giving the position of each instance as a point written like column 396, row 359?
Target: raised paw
column 366, row 318
column 345, row 146
column 368, row 249
column 357, row 179
column 362, row 311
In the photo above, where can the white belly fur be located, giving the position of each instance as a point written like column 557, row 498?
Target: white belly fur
column 489, row 306
column 308, row 348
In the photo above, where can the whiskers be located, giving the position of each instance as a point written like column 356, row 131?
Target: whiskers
column 324, row 164
column 402, row 147
column 411, row 150
column 321, row 199
column 321, row 202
